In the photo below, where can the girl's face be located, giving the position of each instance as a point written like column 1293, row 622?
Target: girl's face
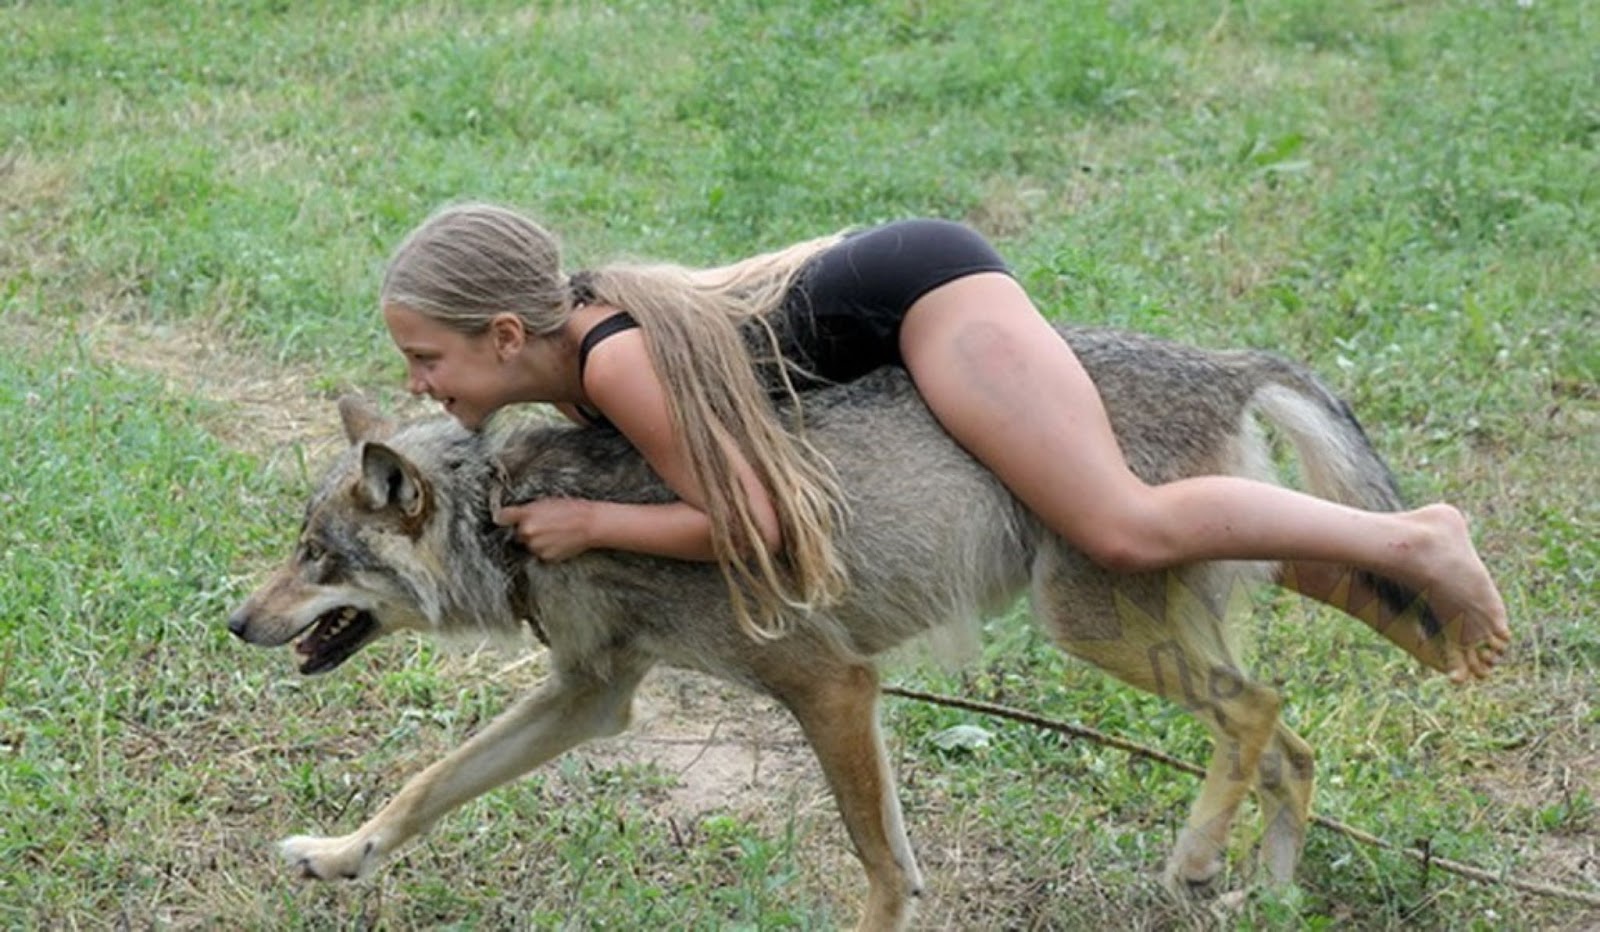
column 466, row 373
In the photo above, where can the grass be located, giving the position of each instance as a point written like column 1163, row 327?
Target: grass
column 1403, row 194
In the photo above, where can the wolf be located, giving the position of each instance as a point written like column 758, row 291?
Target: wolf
column 398, row 537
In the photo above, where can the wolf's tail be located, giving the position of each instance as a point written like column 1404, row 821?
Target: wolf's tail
column 1336, row 459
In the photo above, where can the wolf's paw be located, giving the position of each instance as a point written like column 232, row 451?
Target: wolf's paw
column 347, row 858
column 1194, row 865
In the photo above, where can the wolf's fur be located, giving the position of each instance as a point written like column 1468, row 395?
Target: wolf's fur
column 398, row 537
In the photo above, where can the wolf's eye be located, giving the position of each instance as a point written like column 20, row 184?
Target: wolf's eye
column 314, row 552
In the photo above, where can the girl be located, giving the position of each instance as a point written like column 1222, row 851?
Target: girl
column 682, row 361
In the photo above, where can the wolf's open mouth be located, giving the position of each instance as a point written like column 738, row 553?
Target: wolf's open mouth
column 334, row 638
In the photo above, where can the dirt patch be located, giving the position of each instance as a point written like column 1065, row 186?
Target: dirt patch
column 727, row 749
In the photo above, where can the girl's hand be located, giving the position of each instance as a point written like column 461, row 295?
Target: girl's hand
column 553, row 529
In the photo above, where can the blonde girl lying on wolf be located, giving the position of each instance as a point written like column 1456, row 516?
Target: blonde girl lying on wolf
column 682, row 362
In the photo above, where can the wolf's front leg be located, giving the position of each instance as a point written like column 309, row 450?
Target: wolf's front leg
column 836, row 704
column 565, row 712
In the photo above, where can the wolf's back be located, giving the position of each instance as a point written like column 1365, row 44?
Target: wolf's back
column 1175, row 406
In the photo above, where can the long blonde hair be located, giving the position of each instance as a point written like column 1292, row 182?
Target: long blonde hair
column 469, row 262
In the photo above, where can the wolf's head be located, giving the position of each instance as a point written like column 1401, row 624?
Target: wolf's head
column 395, row 538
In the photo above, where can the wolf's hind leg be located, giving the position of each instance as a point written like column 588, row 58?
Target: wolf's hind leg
column 836, row 703
column 1163, row 633
column 1346, row 590
column 565, row 712
column 1285, row 779
column 1242, row 725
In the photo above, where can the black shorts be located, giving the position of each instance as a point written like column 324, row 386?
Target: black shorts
column 842, row 317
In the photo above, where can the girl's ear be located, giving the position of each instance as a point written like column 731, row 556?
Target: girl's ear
column 508, row 333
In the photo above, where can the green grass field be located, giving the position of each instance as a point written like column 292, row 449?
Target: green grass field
column 196, row 200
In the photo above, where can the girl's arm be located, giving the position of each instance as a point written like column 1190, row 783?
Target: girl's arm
column 621, row 381
column 556, row 529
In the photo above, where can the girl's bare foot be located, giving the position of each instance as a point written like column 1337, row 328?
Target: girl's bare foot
column 1441, row 563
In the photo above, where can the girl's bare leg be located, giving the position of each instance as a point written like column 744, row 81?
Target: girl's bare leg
column 1004, row 384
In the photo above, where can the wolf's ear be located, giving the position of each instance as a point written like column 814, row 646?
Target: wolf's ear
column 362, row 420
column 388, row 480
